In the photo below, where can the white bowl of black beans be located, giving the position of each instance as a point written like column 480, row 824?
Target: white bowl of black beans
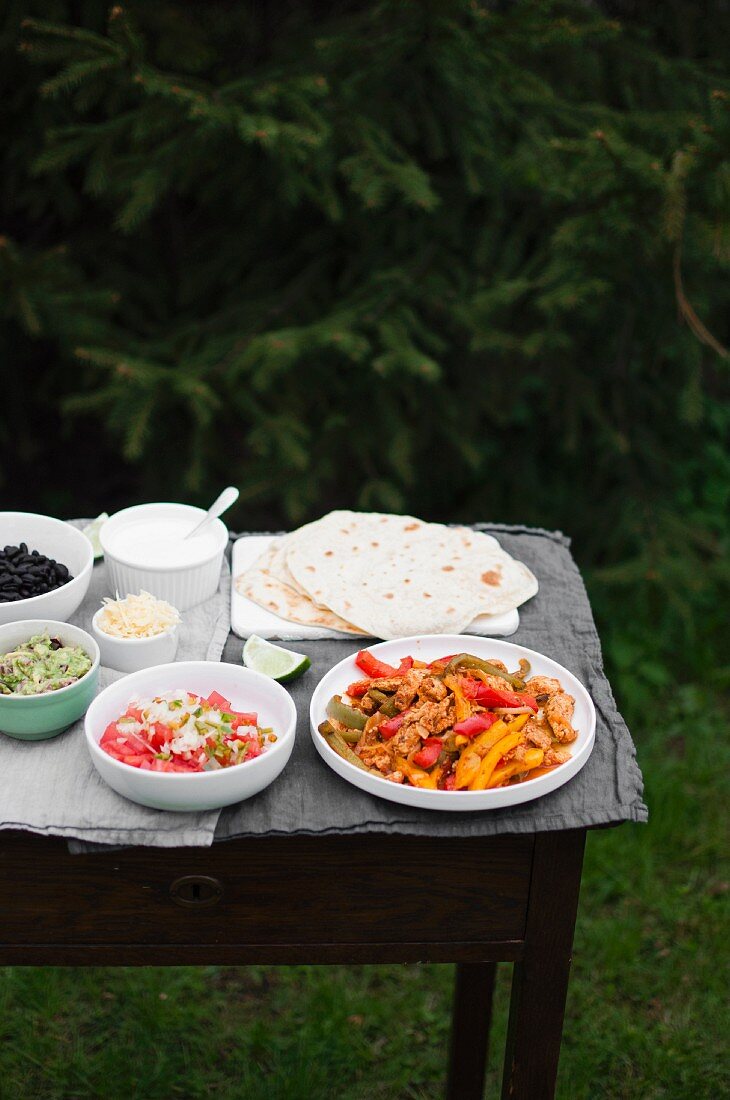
column 45, row 567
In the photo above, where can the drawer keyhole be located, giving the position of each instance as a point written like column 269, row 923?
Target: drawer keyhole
column 196, row 891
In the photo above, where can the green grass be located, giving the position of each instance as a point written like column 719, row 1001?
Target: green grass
column 645, row 1011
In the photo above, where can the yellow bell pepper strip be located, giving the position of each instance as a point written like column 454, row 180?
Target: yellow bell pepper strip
column 532, row 759
column 483, row 744
column 463, row 707
column 434, row 776
column 490, row 761
column 470, row 760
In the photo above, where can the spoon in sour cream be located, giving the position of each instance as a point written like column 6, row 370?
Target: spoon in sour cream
column 220, row 505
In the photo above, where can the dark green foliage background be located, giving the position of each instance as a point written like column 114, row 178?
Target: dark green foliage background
column 464, row 259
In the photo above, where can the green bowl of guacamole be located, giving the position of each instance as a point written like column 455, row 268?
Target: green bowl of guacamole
column 49, row 673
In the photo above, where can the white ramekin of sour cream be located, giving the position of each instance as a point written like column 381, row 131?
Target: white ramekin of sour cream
column 145, row 548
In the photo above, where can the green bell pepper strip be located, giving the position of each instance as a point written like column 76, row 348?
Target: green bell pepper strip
column 348, row 716
column 389, row 709
column 336, row 742
column 468, row 660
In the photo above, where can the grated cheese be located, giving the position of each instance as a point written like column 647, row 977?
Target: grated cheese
column 141, row 616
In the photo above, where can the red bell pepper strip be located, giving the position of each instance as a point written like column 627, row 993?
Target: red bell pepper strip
column 406, row 664
column 429, row 753
column 441, row 660
column 390, row 726
column 371, row 666
column 469, row 686
column 358, row 689
column 494, row 697
column 470, row 727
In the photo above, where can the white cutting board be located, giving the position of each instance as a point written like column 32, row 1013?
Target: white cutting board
column 248, row 618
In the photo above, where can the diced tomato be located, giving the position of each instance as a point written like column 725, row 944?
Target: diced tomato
column 215, row 699
column 183, row 766
column 429, row 753
column 390, row 726
column 495, row 697
column 241, row 719
column 358, row 689
column 135, row 745
column 449, row 782
column 470, row 727
column 240, row 735
column 160, row 734
column 371, row 666
column 110, row 734
column 135, row 759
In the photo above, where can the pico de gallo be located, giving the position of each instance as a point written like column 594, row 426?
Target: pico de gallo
column 455, row 723
column 178, row 731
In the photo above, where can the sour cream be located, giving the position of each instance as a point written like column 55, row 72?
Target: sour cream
column 161, row 542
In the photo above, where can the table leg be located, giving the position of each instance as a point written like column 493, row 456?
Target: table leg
column 471, row 1017
column 540, row 980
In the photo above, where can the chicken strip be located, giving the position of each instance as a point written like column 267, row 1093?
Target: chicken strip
column 538, row 733
column 386, row 683
column 436, row 717
column 377, row 756
column 559, row 711
column 433, row 689
column 408, row 687
column 555, row 756
column 408, row 739
column 542, row 685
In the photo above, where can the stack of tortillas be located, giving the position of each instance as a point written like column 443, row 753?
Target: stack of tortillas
column 386, row 576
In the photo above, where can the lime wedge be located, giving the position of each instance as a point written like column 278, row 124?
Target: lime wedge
column 92, row 533
column 274, row 661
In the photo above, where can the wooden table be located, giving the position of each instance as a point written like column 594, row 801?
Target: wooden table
column 333, row 899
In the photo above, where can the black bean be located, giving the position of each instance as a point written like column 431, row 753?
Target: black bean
column 25, row 573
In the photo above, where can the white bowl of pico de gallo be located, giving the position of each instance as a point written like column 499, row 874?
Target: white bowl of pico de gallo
column 194, row 735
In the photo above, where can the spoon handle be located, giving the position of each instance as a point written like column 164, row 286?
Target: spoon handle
column 222, row 503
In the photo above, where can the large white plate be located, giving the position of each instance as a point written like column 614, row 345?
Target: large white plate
column 249, row 618
column 427, row 649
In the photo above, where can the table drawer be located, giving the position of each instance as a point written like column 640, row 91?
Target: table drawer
column 266, row 891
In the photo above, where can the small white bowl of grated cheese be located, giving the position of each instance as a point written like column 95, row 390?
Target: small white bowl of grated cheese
column 136, row 632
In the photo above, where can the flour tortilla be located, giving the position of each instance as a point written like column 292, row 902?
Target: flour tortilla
column 396, row 575
column 261, row 584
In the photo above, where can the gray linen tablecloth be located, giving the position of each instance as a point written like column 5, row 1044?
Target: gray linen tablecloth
column 308, row 798
column 52, row 787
